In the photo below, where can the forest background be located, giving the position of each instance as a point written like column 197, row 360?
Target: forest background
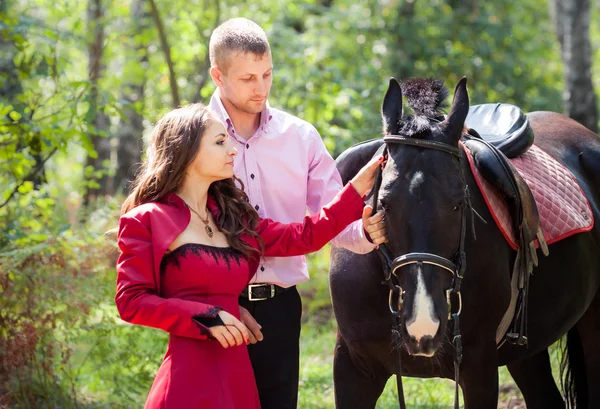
column 83, row 82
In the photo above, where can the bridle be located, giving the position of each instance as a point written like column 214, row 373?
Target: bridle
column 454, row 267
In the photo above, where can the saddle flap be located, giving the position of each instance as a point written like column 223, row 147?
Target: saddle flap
column 498, row 171
column 503, row 125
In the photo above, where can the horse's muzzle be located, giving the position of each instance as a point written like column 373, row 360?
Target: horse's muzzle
column 425, row 347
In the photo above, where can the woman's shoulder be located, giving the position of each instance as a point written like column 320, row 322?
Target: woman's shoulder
column 159, row 222
column 166, row 207
column 144, row 210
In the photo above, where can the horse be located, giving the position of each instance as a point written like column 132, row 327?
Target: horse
column 423, row 192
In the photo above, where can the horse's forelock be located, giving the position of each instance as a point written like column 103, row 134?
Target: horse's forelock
column 427, row 99
column 426, row 96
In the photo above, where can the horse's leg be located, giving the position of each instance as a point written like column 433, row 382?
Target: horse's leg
column 533, row 376
column 355, row 389
column 479, row 376
column 584, row 357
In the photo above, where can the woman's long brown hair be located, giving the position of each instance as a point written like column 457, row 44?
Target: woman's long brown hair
column 174, row 145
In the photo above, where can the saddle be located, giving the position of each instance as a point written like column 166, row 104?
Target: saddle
column 502, row 125
column 490, row 149
column 497, row 132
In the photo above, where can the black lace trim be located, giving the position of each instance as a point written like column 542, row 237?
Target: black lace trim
column 208, row 319
column 227, row 254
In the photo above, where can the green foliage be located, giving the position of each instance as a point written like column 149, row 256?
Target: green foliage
column 116, row 362
column 47, row 302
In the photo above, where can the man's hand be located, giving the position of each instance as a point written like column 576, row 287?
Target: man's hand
column 374, row 225
column 254, row 327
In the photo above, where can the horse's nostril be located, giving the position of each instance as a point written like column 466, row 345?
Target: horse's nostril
column 426, row 343
column 422, row 342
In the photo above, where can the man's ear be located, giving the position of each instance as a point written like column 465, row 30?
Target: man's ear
column 216, row 75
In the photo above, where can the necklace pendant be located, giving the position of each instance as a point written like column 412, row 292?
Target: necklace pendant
column 208, row 231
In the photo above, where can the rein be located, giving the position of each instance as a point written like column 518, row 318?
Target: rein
column 456, row 268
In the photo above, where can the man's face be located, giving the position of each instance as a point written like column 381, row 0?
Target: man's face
column 248, row 82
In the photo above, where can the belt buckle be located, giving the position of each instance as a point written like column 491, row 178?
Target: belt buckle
column 251, row 286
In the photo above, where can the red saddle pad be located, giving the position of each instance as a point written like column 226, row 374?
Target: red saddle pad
column 564, row 210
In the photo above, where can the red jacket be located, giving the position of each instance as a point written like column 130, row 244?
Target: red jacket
column 148, row 230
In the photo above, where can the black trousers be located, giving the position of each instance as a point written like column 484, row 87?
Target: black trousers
column 275, row 359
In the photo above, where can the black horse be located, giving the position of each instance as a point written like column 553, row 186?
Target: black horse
column 423, row 191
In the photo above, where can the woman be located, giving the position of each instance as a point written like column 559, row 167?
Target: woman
column 190, row 241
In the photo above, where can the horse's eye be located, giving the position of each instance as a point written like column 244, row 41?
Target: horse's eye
column 456, row 208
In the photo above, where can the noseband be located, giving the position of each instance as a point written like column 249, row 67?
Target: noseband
column 456, row 268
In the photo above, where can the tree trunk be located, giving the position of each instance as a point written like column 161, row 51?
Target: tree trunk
column 129, row 133
column 203, row 65
column 572, row 20
column 96, row 118
column 167, row 51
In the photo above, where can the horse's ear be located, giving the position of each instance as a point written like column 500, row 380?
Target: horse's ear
column 391, row 111
column 455, row 121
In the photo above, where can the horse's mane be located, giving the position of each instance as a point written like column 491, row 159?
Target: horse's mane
column 427, row 99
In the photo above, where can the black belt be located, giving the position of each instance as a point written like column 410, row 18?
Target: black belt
column 260, row 292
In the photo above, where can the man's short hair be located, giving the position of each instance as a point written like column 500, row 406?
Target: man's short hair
column 237, row 35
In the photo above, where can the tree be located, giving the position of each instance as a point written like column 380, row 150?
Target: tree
column 167, row 52
column 97, row 120
column 202, row 65
column 129, row 131
column 572, row 20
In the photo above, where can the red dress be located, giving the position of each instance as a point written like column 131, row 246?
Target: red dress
column 195, row 281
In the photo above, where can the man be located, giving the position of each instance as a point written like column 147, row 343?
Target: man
column 286, row 170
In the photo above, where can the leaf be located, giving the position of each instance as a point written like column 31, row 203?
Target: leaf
column 15, row 116
column 5, row 109
column 26, row 187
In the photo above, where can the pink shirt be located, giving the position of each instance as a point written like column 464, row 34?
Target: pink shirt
column 286, row 170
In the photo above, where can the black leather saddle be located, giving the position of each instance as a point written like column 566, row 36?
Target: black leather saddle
column 498, row 132
column 502, row 125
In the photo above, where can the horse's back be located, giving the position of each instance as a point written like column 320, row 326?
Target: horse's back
column 554, row 128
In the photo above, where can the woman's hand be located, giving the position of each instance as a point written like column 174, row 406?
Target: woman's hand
column 365, row 178
column 233, row 333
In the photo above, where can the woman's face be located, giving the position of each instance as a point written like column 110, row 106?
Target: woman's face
column 214, row 160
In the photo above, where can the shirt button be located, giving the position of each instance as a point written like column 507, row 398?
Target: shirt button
column 256, row 207
column 247, row 145
column 262, row 268
column 252, row 176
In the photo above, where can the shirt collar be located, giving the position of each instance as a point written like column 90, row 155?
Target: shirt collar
column 216, row 105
